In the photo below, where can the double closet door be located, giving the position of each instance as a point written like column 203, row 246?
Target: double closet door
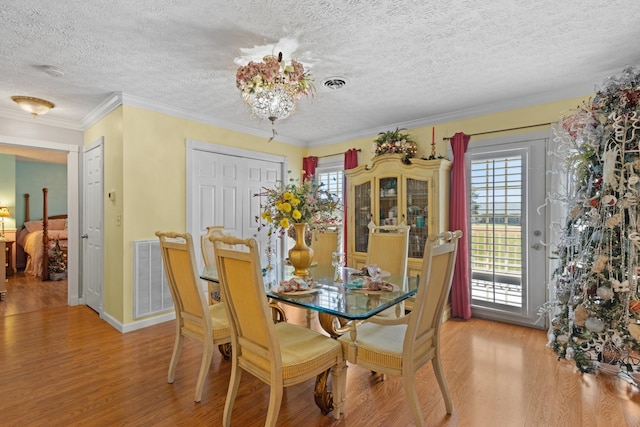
column 223, row 188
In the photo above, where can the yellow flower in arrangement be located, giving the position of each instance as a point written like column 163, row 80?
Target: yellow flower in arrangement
column 286, row 204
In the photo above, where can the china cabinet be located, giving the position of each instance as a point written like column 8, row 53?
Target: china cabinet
column 388, row 192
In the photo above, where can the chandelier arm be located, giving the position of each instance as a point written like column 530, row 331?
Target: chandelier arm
column 273, row 130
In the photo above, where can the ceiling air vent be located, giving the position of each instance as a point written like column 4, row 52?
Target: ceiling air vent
column 334, row 83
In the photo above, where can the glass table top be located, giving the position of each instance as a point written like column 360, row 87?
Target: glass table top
column 339, row 298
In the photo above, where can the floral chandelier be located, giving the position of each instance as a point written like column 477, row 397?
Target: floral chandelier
column 271, row 88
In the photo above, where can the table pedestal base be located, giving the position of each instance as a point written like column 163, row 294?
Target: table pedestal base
column 322, row 396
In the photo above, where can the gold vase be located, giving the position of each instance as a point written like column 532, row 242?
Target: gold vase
column 300, row 255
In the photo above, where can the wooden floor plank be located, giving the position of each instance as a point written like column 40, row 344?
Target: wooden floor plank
column 64, row 366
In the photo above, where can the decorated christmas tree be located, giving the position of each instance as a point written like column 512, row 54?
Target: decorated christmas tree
column 57, row 262
column 594, row 289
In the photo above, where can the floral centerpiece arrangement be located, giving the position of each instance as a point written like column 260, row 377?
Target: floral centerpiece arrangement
column 255, row 77
column 395, row 142
column 301, row 204
column 296, row 202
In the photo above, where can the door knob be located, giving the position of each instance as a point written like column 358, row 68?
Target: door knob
column 85, row 236
column 536, row 246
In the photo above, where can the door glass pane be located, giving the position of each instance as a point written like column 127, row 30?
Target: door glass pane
column 362, row 215
column 388, row 206
column 417, row 215
column 496, row 231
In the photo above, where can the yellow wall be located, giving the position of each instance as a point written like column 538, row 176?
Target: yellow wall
column 145, row 163
column 527, row 116
column 152, row 184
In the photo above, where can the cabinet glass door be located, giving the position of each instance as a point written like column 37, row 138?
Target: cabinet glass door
column 362, row 215
column 388, row 201
column 417, row 199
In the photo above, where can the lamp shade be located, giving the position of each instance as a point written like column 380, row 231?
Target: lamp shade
column 4, row 212
column 35, row 106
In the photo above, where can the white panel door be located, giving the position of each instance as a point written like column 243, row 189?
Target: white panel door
column 224, row 188
column 260, row 174
column 92, row 250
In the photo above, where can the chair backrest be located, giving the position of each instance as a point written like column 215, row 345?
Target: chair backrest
column 324, row 243
column 206, row 245
column 192, row 310
column 388, row 247
column 433, row 292
column 253, row 335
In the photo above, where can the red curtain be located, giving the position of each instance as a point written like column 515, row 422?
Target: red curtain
column 350, row 162
column 309, row 165
column 458, row 214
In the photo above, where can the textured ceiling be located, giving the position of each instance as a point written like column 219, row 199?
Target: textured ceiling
column 407, row 62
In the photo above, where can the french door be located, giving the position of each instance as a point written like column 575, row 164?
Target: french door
column 506, row 182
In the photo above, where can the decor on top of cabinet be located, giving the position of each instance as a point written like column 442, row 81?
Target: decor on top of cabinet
column 395, row 142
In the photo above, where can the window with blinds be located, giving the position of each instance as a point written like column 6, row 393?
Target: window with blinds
column 497, row 212
column 332, row 182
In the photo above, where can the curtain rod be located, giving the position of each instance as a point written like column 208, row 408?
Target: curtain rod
column 448, row 138
column 334, row 154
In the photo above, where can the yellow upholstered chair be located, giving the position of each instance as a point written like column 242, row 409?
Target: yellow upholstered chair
column 280, row 354
column 399, row 347
column 206, row 245
column 324, row 243
column 388, row 247
column 195, row 318
column 209, row 258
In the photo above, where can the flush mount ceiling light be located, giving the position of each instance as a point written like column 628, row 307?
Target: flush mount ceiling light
column 35, row 106
column 272, row 87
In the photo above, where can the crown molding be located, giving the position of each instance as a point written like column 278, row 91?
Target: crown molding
column 109, row 104
column 136, row 101
column 496, row 107
column 41, row 120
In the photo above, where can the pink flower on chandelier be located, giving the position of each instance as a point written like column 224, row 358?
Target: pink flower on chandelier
column 256, row 77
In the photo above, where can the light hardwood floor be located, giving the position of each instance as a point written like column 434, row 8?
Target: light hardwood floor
column 26, row 293
column 64, row 366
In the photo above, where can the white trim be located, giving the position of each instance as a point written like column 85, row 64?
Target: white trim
column 41, row 120
column 138, row 324
column 158, row 107
column 193, row 144
column 110, row 103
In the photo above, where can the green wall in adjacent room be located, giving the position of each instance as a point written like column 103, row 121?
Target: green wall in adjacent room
column 31, row 178
column 8, row 187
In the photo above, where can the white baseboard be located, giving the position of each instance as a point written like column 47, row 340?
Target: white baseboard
column 138, row 324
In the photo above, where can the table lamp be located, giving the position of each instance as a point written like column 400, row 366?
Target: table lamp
column 4, row 213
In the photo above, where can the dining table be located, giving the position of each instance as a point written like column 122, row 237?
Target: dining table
column 338, row 294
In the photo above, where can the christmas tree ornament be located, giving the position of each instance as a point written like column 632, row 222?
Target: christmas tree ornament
column 594, row 324
column 604, row 292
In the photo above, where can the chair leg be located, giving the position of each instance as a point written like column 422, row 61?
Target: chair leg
column 409, row 382
column 338, row 388
column 442, row 382
column 177, row 348
column 275, row 400
column 234, row 382
column 207, row 355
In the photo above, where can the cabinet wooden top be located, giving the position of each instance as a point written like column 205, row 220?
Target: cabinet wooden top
column 385, row 161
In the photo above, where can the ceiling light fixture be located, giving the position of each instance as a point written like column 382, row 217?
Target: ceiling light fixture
column 35, row 106
column 271, row 88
